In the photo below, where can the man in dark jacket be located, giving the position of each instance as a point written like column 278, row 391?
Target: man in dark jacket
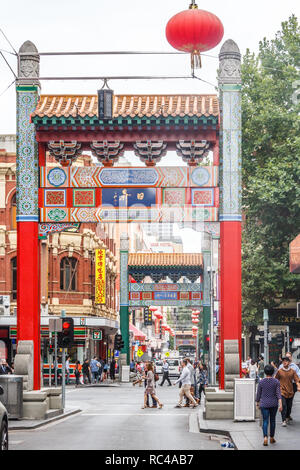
column 4, row 368
column 86, row 371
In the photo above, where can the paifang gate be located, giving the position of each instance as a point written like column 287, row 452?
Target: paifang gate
column 53, row 199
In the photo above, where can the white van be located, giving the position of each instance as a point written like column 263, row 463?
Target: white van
column 174, row 367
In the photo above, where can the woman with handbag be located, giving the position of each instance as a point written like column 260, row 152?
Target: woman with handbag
column 150, row 386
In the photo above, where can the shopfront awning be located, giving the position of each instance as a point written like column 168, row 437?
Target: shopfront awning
column 137, row 334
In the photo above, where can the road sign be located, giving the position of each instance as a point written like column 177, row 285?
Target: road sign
column 82, row 321
column 140, row 353
column 97, row 335
column 55, row 325
column 167, row 354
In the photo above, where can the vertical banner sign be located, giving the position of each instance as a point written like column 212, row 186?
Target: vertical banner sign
column 100, row 277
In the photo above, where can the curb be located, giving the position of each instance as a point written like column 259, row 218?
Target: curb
column 41, row 423
column 206, row 430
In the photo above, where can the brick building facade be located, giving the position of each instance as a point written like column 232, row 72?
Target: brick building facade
column 67, row 273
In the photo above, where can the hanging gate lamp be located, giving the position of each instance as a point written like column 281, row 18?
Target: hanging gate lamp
column 194, row 31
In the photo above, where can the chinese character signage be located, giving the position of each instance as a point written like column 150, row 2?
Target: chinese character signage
column 128, row 197
column 100, row 277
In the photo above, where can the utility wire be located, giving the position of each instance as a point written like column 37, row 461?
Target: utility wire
column 9, row 42
column 8, row 65
column 7, row 88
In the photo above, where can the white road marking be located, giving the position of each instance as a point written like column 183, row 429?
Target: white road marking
column 133, row 414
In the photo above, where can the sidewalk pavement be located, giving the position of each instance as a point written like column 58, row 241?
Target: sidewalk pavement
column 26, row 424
column 249, row 436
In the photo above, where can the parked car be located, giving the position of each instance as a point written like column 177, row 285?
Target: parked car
column 3, row 425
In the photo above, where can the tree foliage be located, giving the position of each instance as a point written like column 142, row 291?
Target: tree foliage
column 271, row 170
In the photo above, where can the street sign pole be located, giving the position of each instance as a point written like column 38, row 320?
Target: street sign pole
column 287, row 339
column 266, row 345
column 50, row 361
column 63, row 375
column 55, row 359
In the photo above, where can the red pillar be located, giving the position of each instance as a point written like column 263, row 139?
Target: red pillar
column 231, row 295
column 28, row 291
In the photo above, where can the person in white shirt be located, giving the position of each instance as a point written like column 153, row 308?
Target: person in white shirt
column 185, row 379
column 253, row 370
column 68, row 370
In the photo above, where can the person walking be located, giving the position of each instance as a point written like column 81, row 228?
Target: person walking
column 253, row 370
column 185, row 390
column 202, row 380
column 269, row 400
column 112, row 369
column 261, row 368
column 77, row 373
column 150, row 386
column 165, row 370
column 297, row 370
column 94, row 365
column 139, row 375
column 67, row 370
column 100, row 372
column 86, row 371
column 286, row 376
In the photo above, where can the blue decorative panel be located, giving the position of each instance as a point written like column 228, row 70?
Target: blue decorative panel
column 126, row 197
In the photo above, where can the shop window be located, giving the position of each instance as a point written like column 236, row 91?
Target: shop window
column 13, row 213
column 13, row 264
column 68, row 274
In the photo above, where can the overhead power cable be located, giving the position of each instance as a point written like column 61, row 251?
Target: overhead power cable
column 9, row 42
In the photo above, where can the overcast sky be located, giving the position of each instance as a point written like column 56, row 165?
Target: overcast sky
column 132, row 25
column 123, row 25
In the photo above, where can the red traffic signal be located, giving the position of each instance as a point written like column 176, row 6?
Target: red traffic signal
column 66, row 336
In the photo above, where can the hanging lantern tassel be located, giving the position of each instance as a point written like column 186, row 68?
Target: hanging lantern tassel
column 196, row 60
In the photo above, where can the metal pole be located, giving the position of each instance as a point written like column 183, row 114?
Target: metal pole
column 63, row 374
column 266, row 346
column 50, row 361
column 288, row 338
column 212, row 335
column 55, row 359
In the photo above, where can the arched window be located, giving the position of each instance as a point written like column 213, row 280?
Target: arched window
column 68, row 274
column 13, row 213
column 13, row 268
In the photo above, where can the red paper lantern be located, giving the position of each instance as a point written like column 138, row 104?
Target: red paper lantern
column 194, row 31
column 158, row 315
column 153, row 309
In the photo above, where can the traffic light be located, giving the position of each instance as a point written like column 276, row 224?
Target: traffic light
column 291, row 340
column 280, row 340
column 51, row 346
column 118, row 343
column 147, row 317
column 65, row 338
column 206, row 343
